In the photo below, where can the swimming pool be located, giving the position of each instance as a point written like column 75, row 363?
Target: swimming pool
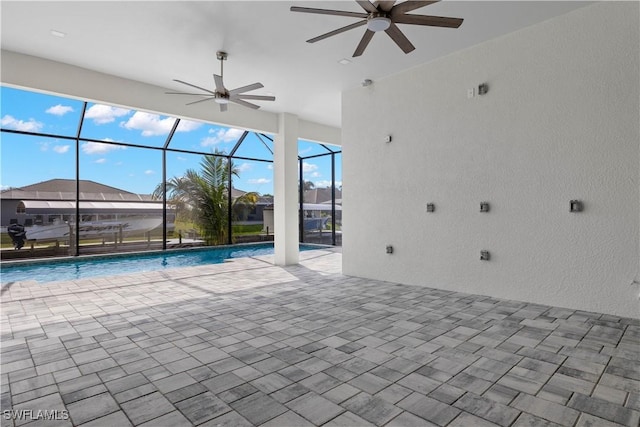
column 82, row 268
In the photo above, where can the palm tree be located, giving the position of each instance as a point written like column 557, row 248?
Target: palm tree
column 202, row 196
column 179, row 194
column 212, row 190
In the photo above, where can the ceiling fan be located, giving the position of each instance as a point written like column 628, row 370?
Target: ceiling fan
column 222, row 95
column 383, row 16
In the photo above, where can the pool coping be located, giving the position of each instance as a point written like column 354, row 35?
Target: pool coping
column 70, row 258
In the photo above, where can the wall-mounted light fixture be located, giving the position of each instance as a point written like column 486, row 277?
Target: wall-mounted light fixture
column 485, row 256
column 484, row 207
column 483, row 89
column 576, row 206
column 431, row 207
column 389, row 249
column 366, row 82
column 388, row 138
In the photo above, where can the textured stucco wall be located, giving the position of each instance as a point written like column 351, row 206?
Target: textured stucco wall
column 560, row 122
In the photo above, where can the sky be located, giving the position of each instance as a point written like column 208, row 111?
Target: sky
column 26, row 159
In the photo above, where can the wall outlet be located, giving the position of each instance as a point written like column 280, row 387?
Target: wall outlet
column 471, row 92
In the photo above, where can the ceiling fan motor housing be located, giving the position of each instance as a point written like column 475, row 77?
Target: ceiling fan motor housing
column 378, row 21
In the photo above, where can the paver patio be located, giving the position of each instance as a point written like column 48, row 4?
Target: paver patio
column 248, row 343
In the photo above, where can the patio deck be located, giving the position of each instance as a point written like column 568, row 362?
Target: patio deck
column 246, row 343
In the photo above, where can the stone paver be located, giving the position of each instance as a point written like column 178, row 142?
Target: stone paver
column 246, row 343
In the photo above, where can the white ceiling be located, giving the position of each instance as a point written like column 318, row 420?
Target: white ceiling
column 157, row 41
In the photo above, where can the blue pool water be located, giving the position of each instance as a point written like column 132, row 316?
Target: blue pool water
column 70, row 269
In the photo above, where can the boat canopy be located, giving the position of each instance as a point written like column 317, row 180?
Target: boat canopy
column 63, row 207
column 319, row 207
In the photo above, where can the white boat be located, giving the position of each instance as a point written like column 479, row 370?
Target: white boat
column 88, row 229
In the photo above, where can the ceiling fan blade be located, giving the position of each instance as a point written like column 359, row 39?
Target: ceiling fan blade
column 338, row 31
column 223, row 107
column 201, row 100
column 328, row 12
column 256, row 97
column 385, row 6
column 197, row 87
column 246, row 88
column 219, row 84
column 245, row 103
column 401, row 40
column 186, row 93
column 367, row 5
column 432, row 21
column 408, row 6
column 364, row 42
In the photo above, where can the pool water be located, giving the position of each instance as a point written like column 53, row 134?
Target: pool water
column 71, row 269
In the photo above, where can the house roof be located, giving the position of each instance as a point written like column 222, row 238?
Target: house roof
column 69, row 185
column 320, row 195
column 65, row 189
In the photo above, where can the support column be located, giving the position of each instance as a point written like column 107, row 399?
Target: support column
column 285, row 197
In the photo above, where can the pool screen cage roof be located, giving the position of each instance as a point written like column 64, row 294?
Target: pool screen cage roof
column 235, row 153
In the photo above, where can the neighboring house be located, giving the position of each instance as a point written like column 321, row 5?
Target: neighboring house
column 54, row 200
column 321, row 195
column 251, row 213
column 317, row 203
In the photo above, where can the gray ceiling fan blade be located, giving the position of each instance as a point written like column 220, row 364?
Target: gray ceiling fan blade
column 385, row 6
column 401, row 40
column 246, row 88
column 256, row 97
column 364, row 42
column 408, row 6
column 219, row 85
column 223, row 107
column 338, row 31
column 211, row 98
column 186, row 93
column 367, row 5
column 432, row 21
column 245, row 103
column 328, row 12
column 197, row 87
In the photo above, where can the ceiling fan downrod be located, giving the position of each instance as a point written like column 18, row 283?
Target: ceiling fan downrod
column 222, row 56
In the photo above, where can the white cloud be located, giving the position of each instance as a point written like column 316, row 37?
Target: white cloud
column 102, row 114
column 326, row 184
column 182, row 159
column 11, row 122
column 100, row 161
column 221, row 136
column 149, row 124
column 44, row 146
column 270, row 166
column 61, row 149
column 59, row 110
column 259, row 181
column 243, row 167
column 311, row 170
column 187, row 126
column 309, row 167
column 149, row 172
column 99, row 148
